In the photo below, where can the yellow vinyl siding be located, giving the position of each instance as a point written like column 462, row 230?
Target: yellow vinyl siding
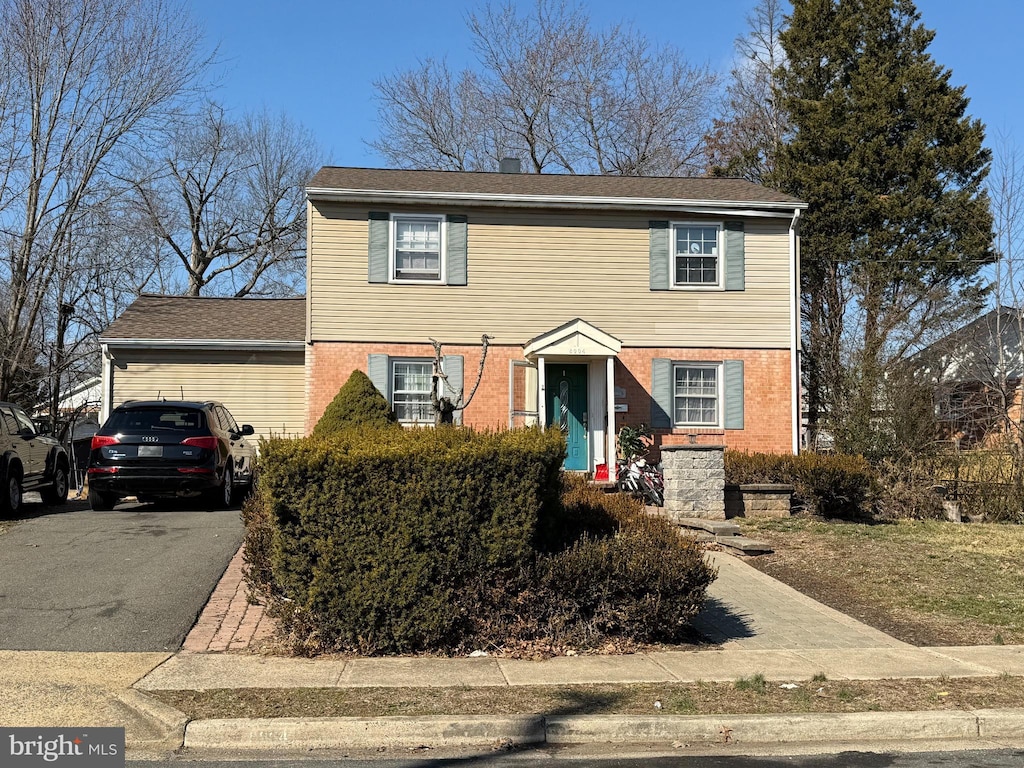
column 265, row 389
column 532, row 271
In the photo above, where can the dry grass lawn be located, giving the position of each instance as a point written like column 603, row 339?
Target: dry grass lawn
column 749, row 696
column 926, row 583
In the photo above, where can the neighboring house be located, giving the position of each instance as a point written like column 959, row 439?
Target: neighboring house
column 611, row 300
column 247, row 353
column 80, row 400
column 976, row 372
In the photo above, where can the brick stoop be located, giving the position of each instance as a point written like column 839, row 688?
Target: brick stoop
column 229, row 622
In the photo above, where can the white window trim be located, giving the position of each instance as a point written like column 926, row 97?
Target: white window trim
column 392, row 241
column 512, row 412
column 719, row 367
column 720, row 269
column 391, row 387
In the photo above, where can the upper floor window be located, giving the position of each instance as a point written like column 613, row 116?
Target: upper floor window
column 696, row 255
column 417, row 248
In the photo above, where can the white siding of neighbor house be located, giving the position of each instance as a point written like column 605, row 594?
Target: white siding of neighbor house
column 264, row 389
column 531, row 271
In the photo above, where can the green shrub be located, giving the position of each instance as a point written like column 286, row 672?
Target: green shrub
column 385, row 541
column 357, row 404
column 837, row 486
column 379, row 533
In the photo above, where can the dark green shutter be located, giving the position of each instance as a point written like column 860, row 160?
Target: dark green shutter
column 454, row 367
column 377, row 370
column 661, row 393
column 659, row 266
column 457, row 250
column 377, row 263
column 733, row 392
column 735, row 260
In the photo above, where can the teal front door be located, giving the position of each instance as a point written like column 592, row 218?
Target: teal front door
column 567, row 409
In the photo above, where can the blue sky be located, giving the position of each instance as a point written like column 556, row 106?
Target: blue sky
column 317, row 59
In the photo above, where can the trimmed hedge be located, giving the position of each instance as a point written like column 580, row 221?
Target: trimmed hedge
column 377, row 532
column 837, row 486
column 398, row 541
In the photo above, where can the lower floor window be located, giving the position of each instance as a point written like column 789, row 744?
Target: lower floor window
column 411, row 381
column 696, row 395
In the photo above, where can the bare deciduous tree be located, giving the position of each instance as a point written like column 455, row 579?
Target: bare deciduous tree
column 553, row 92
column 744, row 140
column 228, row 201
column 444, row 398
column 79, row 79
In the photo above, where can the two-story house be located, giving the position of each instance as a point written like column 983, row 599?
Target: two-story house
column 610, row 300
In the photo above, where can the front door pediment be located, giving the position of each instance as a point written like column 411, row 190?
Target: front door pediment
column 577, row 338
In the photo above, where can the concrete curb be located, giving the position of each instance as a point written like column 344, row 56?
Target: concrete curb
column 153, row 727
column 362, row 733
column 482, row 731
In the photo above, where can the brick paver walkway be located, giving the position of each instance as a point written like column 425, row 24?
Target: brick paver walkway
column 229, row 622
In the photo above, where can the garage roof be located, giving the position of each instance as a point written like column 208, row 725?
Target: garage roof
column 190, row 319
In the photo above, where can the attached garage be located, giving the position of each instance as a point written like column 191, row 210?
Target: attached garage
column 247, row 353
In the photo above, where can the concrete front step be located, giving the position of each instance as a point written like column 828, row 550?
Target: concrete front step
column 744, row 546
column 720, row 532
column 716, row 527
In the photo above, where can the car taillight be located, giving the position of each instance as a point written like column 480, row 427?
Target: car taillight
column 209, row 443
column 98, row 441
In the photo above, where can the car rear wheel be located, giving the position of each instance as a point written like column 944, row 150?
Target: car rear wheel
column 101, row 502
column 10, row 499
column 227, row 491
column 57, row 492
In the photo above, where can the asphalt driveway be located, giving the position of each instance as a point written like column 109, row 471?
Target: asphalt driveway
column 133, row 579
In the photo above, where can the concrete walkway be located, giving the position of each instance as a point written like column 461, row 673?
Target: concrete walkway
column 749, row 610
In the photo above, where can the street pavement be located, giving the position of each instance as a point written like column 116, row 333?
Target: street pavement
column 616, row 757
column 132, row 579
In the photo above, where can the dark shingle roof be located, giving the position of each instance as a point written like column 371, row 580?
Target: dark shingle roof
column 201, row 318
column 674, row 188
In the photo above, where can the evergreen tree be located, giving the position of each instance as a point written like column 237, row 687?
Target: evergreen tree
column 898, row 223
column 357, row 404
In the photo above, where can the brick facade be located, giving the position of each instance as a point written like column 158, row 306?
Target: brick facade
column 767, row 399
column 767, row 402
